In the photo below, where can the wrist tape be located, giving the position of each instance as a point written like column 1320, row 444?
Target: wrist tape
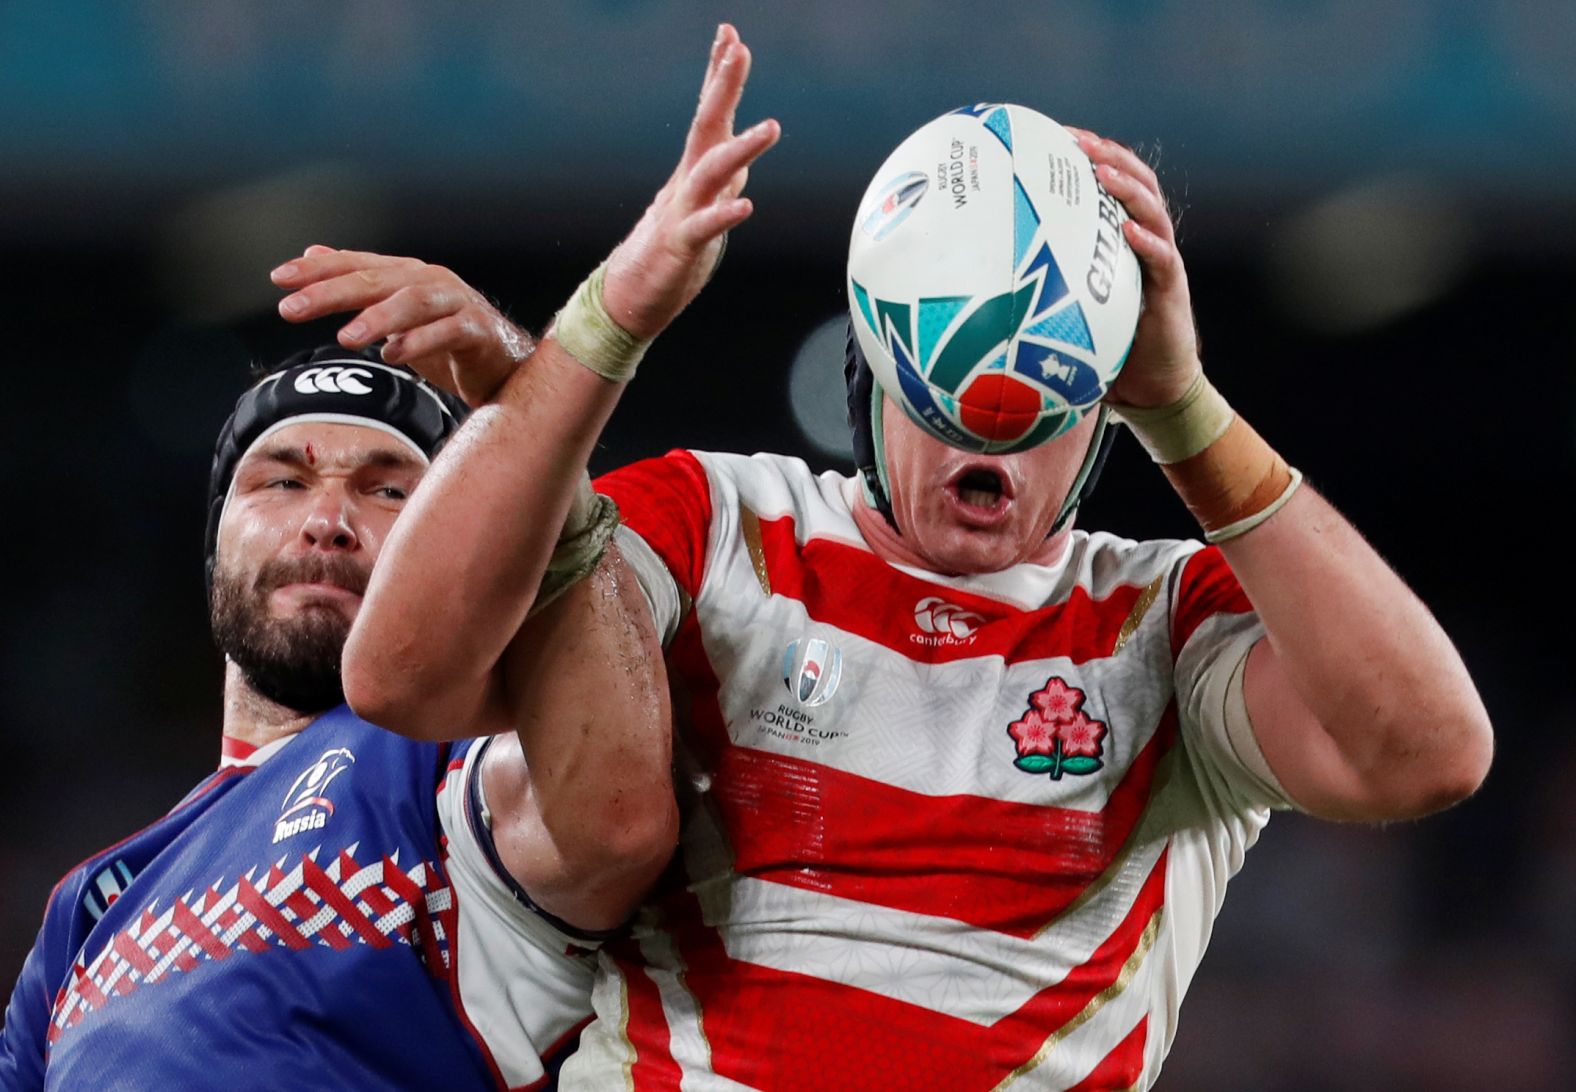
column 1224, row 471
column 589, row 334
column 587, row 530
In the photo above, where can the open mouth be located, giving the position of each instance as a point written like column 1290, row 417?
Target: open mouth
column 981, row 492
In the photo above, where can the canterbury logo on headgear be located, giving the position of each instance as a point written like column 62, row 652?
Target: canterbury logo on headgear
column 335, row 385
column 335, row 380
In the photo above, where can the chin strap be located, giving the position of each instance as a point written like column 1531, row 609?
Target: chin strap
column 1089, row 472
column 865, row 409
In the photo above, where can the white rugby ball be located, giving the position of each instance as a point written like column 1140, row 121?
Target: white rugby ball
column 991, row 288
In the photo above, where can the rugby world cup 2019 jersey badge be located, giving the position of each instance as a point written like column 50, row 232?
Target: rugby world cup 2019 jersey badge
column 1055, row 736
column 106, row 886
column 811, row 670
column 307, row 806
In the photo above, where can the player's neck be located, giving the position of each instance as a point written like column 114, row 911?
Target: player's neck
column 252, row 718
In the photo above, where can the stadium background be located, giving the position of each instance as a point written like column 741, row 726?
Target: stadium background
column 1378, row 215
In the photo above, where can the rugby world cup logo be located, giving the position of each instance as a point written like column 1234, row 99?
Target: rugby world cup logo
column 894, row 203
column 811, row 670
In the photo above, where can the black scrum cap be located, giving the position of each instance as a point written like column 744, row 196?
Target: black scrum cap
column 335, row 385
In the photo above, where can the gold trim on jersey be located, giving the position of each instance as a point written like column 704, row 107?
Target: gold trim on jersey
column 623, row 1030
column 1136, row 616
column 750, row 526
column 1130, row 968
column 1096, row 887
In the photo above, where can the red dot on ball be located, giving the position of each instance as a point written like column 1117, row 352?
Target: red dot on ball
column 999, row 407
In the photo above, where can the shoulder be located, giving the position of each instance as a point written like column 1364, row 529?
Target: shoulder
column 1100, row 562
column 777, row 488
column 769, row 483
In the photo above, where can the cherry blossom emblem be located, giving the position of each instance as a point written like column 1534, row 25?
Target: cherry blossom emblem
column 1055, row 736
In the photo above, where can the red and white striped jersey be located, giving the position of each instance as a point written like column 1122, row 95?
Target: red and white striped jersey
column 939, row 832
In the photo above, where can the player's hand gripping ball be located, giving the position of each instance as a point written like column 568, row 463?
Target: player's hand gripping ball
column 991, row 288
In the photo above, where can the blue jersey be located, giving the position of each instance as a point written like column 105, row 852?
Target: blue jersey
column 292, row 923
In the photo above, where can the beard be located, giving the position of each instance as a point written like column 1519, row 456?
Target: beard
column 293, row 662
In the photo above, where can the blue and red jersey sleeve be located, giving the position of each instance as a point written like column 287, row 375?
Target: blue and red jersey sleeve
column 24, row 1038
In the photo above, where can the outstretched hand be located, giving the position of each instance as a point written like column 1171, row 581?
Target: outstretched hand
column 665, row 261
column 1164, row 359
column 432, row 321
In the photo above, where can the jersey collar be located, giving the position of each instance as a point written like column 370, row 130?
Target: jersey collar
column 238, row 754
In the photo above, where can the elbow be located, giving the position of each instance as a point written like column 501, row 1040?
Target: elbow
column 637, row 844
column 1443, row 774
column 379, row 692
column 1466, row 767
column 604, row 879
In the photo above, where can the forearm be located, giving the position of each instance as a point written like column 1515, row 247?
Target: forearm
column 591, row 720
column 461, row 568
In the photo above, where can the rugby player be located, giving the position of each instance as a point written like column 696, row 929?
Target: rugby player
column 330, row 907
column 962, row 786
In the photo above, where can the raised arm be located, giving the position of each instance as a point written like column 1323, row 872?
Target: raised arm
column 445, row 645
column 1357, row 698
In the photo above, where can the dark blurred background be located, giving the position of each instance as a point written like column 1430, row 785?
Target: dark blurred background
column 1377, row 208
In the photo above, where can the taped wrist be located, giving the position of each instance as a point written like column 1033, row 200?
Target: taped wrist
column 589, row 334
column 588, row 529
column 1182, row 429
column 1224, row 471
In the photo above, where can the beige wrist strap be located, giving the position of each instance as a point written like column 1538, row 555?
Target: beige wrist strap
column 589, row 334
column 588, row 529
column 1182, row 429
column 1224, row 471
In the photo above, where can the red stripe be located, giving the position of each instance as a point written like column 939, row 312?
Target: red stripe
column 190, row 924
column 763, row 1025
column 237, row 750
column 667, row 502
column 227, row 917
column 859, row 593
column 88, row 990
column 252, row 940
column 301, row 905
column 994, row 864
column 1207, row 587
column 132, row 953
column 806, row 825
column 1122, row 1067
column 264, row 912
column 1051, row 1009
column 647, row 1026
column 405, row 888
column 376, row 900
column 330, row 893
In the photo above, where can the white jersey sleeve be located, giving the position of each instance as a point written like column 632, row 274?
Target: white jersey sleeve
column 524, row 981
column 662, row 592
column 665, row 509
column 1213, row 630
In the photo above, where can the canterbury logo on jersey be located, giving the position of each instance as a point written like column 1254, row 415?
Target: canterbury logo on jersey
column 333, row 380
column 941, row 622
